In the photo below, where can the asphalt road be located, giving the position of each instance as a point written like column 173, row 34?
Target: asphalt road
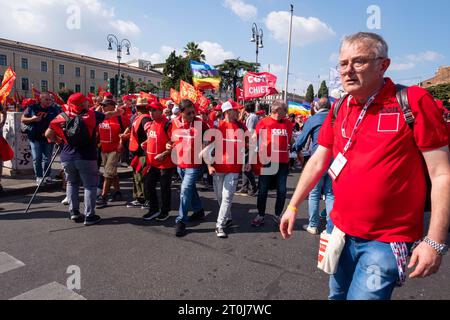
column 126, row 258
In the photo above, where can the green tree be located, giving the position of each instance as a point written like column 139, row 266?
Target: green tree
column 323, row 91
column 176, row 68
column 193, row 52
column 232, row 73
column 130, row 86
column 147, row 87
column 441, row 92
column 310, row 94
column 65, row 93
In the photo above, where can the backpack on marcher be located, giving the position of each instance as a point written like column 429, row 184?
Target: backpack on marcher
column 402, row 98
column 76, row 131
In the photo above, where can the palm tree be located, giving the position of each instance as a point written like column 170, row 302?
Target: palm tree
column 232, row 73
column 193, row 52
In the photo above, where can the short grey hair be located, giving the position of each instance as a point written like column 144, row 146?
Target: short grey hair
column 278, row 104
column 379, row 45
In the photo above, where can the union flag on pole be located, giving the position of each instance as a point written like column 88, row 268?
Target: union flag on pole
column 259, row 85
column 7, row 84
column 187, row 91
column 175, row 96
column 204, row 102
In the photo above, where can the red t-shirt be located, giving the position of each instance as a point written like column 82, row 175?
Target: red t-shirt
column 228, row 152
column 109, row 131
column 274, row 140
column 380, row 193
column 156, row 143
column 188, row 142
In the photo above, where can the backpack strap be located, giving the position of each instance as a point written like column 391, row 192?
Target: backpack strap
column 336, row 109
column 121, row 124
column 166, row 127
column 402, row 98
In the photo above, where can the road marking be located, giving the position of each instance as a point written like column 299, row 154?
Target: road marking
column 8, row 263
column 51, row 291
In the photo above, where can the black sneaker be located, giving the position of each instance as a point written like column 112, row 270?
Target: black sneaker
column 151, row 215
column 90, row 221
column 163, row 217
column 101, row 203
column 180, row 229
column 197, row 216
column 135, row 204
column 75, row 215
column 115, row 196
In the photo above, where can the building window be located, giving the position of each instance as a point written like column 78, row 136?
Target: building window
column 25, row 84
column 92, row 89
column 62, row 86
column 105, row 76
column 3, row 60
column 24, row 63
column 77, row 88
column 159, row 84
column 92, row 74
column 77, row 72
column 44, row 67
column 150, row 81
column 44, row 85
column 61, row 69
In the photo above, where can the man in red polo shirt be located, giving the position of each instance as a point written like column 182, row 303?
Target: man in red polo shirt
column 229, row 159
column 187, row 143
column 274, row 134
column 379, row 177
column 161, row 166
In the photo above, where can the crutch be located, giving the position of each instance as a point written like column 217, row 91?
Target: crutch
column 45, row 176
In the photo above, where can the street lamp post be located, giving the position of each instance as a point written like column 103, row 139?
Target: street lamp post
column 125, row 43
column 257, row 38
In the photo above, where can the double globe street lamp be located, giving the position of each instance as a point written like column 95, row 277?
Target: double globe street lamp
column 257, row 38
column 125, row 43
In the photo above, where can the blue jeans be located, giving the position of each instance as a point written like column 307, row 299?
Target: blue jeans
column 315, row 196
column 41, row 151
column 264, row 181
column 86, row 172
column 189, row 198
column 367, row 271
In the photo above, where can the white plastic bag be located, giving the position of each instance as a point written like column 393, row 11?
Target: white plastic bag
column 330, row 250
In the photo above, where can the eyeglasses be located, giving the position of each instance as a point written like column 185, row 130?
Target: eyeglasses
column 357, row 63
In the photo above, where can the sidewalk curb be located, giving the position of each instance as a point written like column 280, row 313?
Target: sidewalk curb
column 29, row 188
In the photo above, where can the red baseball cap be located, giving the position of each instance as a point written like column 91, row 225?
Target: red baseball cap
column 77, row 99
column 157, row 105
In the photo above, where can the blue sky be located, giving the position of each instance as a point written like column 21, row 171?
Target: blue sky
column 417, row 32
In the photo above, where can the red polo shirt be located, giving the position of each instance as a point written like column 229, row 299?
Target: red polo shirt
column 380, row 194
column 275, row 138
column 229, row 158
column 109, row 131
column 156, row 143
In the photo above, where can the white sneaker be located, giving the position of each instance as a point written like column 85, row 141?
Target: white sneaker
column 221, row 233
column 65, row 201
column 311, row 230
column 39, row 181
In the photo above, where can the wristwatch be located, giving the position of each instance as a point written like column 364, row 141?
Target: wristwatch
column 441, row 249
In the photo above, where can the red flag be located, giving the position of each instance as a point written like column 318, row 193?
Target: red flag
column 6, row 153
column 7, row 84
column 187, row 91
column 164, row 101
column 101, row 92
column 36, row 93
column 259, row 85
column 175, row 96
column 150, row 97
column 57, row 98
column 239, row 94
column 203, row 102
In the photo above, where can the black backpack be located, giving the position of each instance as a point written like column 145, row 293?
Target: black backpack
column 402, row 98
column 76, row 131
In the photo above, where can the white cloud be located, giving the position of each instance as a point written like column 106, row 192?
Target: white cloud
column 304, row 30
column 215, row 53
column 410, row 61
column 402, row 66
column 125, row 27
column 245, row 11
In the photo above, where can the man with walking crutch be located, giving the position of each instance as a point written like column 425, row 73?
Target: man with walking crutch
column 76, row 130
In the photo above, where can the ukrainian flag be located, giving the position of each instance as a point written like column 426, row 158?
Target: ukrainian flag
column 205, row 76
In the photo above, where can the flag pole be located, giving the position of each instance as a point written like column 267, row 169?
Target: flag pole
column 286, row 87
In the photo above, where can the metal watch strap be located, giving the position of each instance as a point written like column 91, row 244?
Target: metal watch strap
column 440, row 248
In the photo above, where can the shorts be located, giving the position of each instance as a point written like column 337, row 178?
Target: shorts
column 110, row 161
